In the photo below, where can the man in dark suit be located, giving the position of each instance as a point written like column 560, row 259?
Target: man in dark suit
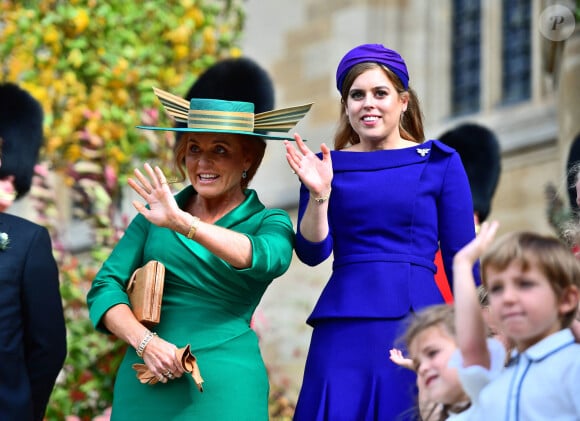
column 32, row 327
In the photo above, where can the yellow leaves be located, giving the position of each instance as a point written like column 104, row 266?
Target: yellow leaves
column 81, row 21
column 58, row 86
column 209, row 40
column 196, row 16
column 179, row 35
column 51, row 35
column 10, row 28
column 70, row 77
column 45, row 77
column 118, row 155
column 168, row 76
column 116, row 84
column 96, row 97
column 235, row 52
column 73, row 152
column 120, row 68
column 53, row 143
column 181, row 52
column 121, row 97
column 75, row 58
column 132, row 77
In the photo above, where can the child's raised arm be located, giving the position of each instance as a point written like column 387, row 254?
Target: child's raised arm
column 396, row 356
column 469, row 323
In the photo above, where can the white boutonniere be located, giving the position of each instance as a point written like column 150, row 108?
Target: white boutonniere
column 4, row 241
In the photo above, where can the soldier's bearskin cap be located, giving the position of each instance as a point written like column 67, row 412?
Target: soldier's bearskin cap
column 234, row 79
column 480, row 154
column 21, row 118
column 573, row 168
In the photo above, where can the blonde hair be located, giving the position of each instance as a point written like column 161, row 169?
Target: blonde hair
column 441, row 315
column 547, row 253
column 411, row 124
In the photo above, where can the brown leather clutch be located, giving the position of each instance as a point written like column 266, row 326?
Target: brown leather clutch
column 145, row 291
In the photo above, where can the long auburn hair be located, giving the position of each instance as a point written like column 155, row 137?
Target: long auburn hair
column 410, row 125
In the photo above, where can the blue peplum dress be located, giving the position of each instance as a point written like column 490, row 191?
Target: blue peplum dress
column 389, row 212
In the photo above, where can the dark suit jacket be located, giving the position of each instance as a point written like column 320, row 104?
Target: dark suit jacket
column 32, row 328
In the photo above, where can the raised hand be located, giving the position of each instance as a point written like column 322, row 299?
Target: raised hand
column 470, row 328
column 396, row 356
column 315, row 173
column 154, row 190
column 474, row 249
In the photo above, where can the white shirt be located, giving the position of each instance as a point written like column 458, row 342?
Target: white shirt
column 540, row 384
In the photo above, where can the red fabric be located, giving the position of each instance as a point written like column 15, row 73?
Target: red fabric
column 441, row 279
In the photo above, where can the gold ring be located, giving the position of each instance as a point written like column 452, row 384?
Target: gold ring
column 168, row 373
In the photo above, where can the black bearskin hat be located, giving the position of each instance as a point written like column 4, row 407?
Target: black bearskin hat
column 21, row 119
column 480, row 154
column 235, row 79
column 572, row 171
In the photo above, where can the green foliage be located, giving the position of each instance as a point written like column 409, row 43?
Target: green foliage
column 92, row 65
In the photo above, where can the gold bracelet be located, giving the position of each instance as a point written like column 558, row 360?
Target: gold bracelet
column 321, row 199
column 193, row 228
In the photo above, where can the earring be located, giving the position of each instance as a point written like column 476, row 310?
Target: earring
column 244, row 174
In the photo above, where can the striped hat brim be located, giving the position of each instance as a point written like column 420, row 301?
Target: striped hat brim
column 187, row 129
column 236, row 117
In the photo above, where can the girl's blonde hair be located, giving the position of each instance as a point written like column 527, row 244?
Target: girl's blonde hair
column 547, row 253
column 436, row 315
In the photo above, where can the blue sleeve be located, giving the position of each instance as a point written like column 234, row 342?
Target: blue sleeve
column 308, row 252
column 455, row 216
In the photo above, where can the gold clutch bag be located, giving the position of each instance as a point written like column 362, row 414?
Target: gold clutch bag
column 145, row 291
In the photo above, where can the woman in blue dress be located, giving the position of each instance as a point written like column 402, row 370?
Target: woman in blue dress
column 382, row 203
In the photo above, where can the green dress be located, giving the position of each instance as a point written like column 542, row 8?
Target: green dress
column 206, row 303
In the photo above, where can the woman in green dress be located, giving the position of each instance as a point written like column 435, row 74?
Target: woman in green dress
column 221, row 248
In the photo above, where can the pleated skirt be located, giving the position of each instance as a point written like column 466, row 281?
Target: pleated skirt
column 349, row 376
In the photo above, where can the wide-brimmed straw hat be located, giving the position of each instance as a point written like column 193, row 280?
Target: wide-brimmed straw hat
column 204, row 115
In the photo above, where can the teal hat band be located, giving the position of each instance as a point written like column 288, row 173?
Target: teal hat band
column 213, row 114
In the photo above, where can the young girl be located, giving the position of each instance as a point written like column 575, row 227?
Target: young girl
column 431, row 341
column 533, row 283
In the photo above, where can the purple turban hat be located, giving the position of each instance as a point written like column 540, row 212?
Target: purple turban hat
column 374, row 53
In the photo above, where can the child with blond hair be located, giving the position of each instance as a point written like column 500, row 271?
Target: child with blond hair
column 533, row 283
column 432, row 345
